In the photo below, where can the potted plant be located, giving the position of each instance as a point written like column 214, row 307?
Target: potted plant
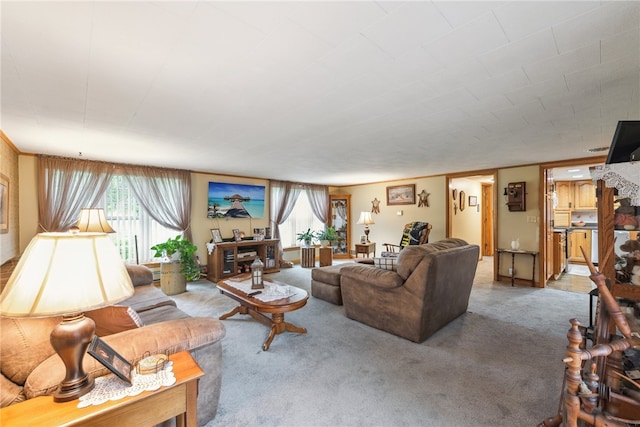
column 174, row 275
column 327, row 236
column 306, row 237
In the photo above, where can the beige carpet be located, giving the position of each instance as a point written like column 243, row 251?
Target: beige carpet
column 497, row 365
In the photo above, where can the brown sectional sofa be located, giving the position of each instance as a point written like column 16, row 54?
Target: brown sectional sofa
column 30, row 367
column 430, row 288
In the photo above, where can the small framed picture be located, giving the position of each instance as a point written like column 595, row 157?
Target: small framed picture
column 473, row 200
column 111, row 359
column 236, row 235
column 401, row 195
column 363, row 238
column 216, row 235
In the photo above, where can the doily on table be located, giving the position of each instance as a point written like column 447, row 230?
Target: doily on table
column 623, row 176
column 278, row 291
column 110, row 387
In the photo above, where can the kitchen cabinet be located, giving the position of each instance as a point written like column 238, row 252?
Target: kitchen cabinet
column 559, row 254
column 564, row 194
column 579, row 238
column 575, row 195
column 584, row 195
column 561, row 218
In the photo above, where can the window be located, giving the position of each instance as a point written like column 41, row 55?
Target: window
column 301, row 219
column 134, row 227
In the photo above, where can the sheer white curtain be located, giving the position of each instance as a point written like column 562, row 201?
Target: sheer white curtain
column 164, row 193
column 67, row 185
column 282, row 200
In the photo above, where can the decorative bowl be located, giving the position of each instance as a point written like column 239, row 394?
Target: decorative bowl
column 578, row 223
column 629, row 227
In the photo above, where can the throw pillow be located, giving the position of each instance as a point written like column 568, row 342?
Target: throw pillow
column 386, row 263
column 113, row 319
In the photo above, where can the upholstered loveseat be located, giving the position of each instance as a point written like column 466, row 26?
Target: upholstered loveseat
column 429, row 288
column 30, row 367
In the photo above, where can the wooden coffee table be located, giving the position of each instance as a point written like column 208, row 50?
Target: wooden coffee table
column 258, row 309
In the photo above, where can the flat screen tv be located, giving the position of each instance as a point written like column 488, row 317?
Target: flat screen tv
column 625, row 146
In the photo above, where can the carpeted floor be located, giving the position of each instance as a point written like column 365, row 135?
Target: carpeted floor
column 497, row 365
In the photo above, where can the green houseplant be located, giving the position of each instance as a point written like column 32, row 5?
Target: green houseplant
column 306, row 236
column 327, row 236
column 188, row 265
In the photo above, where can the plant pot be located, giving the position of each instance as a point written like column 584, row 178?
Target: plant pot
column 172, row 282
column 325, row 243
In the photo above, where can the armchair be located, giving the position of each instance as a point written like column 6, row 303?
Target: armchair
column 429, row 287
column 414, row 233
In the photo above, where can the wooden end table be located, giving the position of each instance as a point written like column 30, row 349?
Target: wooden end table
column 365, row 249
column 513, row 266
column 308, row 257
column 258, row 309
column 145, row 409
column 326, row 256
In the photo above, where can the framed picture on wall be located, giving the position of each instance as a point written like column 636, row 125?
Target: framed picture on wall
column 401, row 195
column 4, row 204
column 473, row 200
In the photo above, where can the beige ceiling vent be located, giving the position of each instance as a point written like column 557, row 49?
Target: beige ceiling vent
column 597, row 149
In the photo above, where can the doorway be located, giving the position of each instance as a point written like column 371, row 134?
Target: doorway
column 569, row 221
column 471, row 210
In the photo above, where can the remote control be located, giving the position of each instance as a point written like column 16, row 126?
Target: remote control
column 254, row 293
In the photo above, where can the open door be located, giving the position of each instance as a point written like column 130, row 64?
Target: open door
column 487, row 220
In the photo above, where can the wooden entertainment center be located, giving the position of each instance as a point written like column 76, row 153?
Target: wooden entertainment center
column 231, row 258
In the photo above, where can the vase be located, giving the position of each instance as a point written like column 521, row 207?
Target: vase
column 515, row 244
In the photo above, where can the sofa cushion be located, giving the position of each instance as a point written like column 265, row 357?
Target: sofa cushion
column 24, row 345
column 147, row 297
column 386, row 263
column 167, row 337
column 114, row 319
column 140, row 274
column 10, row 393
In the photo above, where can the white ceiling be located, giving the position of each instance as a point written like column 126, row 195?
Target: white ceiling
column 337, row 93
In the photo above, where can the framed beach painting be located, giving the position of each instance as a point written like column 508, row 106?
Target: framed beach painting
column 228, row 200
column 401, row 195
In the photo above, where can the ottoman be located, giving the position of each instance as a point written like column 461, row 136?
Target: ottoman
column 325, row 283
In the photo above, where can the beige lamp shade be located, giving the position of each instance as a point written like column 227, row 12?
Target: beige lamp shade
column 94, row 219
column 61, row 273
column 365, row 218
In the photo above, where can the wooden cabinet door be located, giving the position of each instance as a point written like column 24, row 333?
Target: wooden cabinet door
column 564, row 194
column 584, row 195
column 340, row 219
column 561, row 218
column 580, row 238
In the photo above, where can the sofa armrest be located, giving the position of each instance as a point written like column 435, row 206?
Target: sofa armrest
column 167, row 337
column 375, row 277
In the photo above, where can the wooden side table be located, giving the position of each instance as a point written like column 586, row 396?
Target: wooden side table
column 365, row 249
column 147, row 408
column 308, row 257
column 513, row 257
column 326, row 257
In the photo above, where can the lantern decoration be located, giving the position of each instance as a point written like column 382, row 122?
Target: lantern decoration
column 256, row 274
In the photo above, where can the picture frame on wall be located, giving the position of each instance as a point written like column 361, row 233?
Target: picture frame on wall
column 111, row 359
column 473, row 200
column 4, row 204
column 401, row 194
column 216, row 235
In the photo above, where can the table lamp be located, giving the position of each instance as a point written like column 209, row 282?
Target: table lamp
column 366, row 219
column 67, row 274
column 94, row 219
